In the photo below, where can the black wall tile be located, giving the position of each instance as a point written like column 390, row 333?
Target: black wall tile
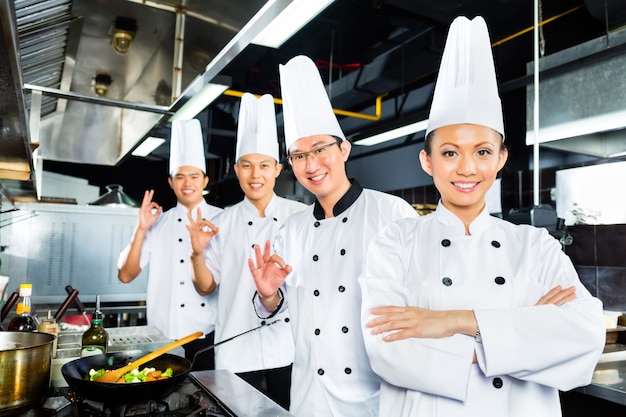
column 611, row 245
column 582, row 251
column 602, row 245
column 589, row 278
column 612, row 287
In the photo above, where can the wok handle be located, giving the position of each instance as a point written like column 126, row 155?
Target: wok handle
column 199, row 351
column 66, row 304
column 79, row 305
column 8, row 306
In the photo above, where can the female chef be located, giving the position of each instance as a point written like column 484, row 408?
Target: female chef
column 465, row 314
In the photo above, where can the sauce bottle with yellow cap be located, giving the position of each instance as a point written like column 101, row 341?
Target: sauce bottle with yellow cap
column 24, row 321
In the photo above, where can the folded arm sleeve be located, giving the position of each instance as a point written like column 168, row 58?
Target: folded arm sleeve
column 553, row 346
column 415, row 364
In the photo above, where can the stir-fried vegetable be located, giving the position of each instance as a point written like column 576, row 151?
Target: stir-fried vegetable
column 145, row 375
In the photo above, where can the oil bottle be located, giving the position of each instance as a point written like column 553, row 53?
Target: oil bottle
column 95, row 339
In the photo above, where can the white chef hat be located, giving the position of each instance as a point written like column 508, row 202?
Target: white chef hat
column 466, row 89
column 186, row 145
column 306, row 107
column 256, row 128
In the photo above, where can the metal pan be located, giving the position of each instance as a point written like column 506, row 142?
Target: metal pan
column 75, row 371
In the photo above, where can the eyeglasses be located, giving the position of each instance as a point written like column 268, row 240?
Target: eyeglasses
column 317, row 154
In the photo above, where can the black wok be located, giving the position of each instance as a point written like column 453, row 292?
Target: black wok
column 75, row 371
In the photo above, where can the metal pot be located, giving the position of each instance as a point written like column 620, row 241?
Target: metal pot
column 25, row 372
column 76, row 371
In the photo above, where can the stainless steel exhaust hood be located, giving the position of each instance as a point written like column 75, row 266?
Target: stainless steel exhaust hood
column 59, row 51
column 16, row 164
column 582, row 98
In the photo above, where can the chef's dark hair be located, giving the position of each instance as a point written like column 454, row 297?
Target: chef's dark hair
column 429, row 141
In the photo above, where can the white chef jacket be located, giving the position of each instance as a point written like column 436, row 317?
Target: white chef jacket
column 331, row 374
column 172, row 303
column 227, row 256
column 527, row 352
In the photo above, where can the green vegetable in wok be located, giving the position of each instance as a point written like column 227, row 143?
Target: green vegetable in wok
column 147, row 374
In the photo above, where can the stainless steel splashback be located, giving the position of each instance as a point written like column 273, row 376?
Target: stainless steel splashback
column 54, row 245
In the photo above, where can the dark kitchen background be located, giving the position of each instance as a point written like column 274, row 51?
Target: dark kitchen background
column 73, row 111
column 364, row 49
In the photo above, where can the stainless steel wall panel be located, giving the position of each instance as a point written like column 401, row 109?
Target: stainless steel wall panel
column 59, row 245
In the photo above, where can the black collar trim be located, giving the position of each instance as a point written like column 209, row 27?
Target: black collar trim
column 344, row 202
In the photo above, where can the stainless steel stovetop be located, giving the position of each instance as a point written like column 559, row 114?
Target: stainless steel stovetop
column 218, row 393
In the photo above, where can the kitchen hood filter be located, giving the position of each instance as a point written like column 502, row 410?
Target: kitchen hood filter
column 114, row 197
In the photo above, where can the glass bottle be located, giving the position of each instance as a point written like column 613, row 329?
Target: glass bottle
column 49, row 325
column 24, row 321
column 96, row 338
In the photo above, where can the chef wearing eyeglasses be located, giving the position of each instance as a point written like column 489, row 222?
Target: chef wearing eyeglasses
column 318, row 256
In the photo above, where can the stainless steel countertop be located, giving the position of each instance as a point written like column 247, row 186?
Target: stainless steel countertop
column 237, row 395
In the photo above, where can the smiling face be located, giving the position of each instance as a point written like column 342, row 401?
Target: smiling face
column 464, row 160
column 321, row 169
column 257, row 177
column 188, row 183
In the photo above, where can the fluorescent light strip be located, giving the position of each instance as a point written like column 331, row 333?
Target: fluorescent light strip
column 199, row 101
column 393, row 134
column 147, row 146
column 296, row 15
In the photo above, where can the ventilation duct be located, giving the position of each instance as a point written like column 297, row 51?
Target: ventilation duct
column 582, row 98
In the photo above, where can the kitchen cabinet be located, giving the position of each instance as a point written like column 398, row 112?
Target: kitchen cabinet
column 578, row 404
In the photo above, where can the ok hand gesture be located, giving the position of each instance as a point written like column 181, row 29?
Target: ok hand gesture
column 269, row 273
column 201, row 231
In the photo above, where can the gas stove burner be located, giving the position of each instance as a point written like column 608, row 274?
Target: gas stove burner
column 187, row 400
column 149, row 408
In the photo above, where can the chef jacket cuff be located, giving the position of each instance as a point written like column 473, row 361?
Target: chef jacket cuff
column 261, row 311
column 480, row 355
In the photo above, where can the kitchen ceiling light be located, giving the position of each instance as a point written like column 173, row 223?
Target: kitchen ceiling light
column 147, row 146
column 123, row 34
column 393, row 133
column 199, row 101
column 297, row 14
column 102, row 84
column 122, row 41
